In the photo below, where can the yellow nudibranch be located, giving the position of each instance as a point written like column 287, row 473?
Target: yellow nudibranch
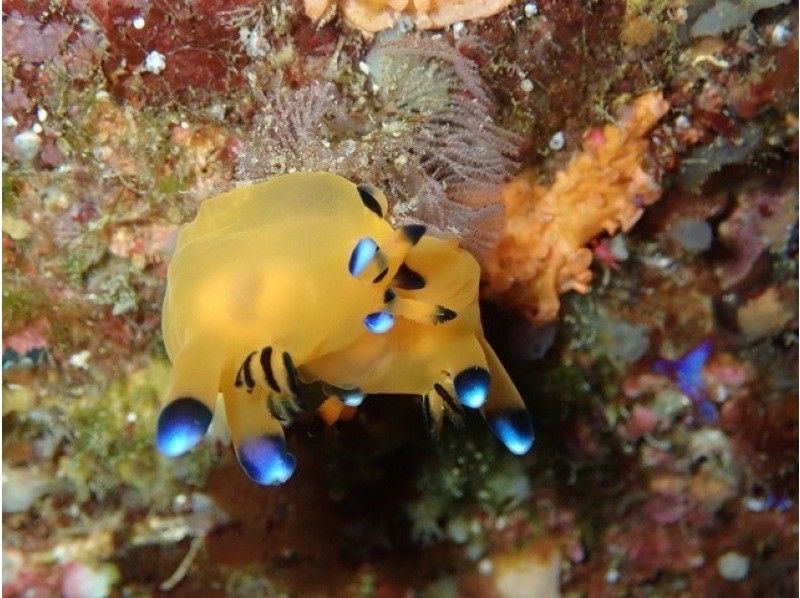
column 300, row 279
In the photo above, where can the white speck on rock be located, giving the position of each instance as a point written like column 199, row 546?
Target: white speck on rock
column 733, row 566
column 10, row 121
column 37, row 128
column 531, row 9
column 138, row 22
column 485, row 567
column 80, row 360
column 618, row 248
column 41, row 114
column 526, row 85
column 363, row 67
column 557, row 141
column 458, row 29
column 155, row 62
column 781, row 34
column 612, row 576
column 27, row 145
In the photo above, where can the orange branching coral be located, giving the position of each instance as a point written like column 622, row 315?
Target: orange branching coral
column 542, row 250
column 371, row 16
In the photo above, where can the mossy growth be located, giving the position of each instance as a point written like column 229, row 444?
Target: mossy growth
column 81, row 259
column 21, row 303
column 469, row 469
column 113, row 448
column 10, row 196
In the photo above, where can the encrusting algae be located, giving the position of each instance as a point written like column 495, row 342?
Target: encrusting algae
column 371, row 16
column 604, row 189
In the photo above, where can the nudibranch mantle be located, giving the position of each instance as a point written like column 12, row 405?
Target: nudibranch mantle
column 301, row 279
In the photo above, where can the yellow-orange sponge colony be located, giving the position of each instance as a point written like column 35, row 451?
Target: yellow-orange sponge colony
column 542, row 252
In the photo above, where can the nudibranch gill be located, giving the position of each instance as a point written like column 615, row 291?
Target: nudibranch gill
column 300, row 279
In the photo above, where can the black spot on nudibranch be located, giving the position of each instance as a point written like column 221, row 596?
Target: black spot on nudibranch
column 389, row 296
column 414, row 232
column 368, row 199
column 408, row 279
column 443, row 314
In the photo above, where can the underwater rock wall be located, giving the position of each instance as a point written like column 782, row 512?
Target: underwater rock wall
column 663, row 392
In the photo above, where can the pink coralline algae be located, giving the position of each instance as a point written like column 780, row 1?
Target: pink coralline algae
column 27, row 39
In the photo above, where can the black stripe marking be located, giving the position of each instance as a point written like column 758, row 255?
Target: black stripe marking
column 408, row 279
column 238, row 382
column 440, row 390
column 266, row 367
column 380, row 276
column 427, row 417
column 443, row 314
column 365, row 191
column 248, row 375
column 291, row 373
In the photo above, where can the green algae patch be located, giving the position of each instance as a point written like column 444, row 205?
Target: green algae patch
column 113, row 448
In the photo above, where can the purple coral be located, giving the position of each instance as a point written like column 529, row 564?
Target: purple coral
column 687, row 372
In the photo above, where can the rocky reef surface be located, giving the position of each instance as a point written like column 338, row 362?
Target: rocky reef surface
column 625, row 172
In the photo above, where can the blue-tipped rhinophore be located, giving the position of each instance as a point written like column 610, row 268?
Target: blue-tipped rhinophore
column 352, row 398
column 181, row 425
column 266, row 460
column 379, row 322
column 513, row 428
column 472, row 386
column 362, row 254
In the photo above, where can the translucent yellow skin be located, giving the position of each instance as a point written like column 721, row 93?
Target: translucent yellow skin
column 266, row 265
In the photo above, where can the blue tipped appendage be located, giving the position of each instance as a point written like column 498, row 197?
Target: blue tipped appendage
column 181, row 425
column 352, row 398
column 266, row 460
column 379, row 322
column 514, row 430
column 472, row 386
column 362, row 255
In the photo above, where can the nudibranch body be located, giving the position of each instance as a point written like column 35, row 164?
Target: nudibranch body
column 301, row 279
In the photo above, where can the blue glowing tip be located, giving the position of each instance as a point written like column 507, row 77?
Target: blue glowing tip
column 181, row 425
column 352, row 398
column 362, row 254
column 379, row 322
column 514, row 430
column 472, row 386
column 266, row 460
